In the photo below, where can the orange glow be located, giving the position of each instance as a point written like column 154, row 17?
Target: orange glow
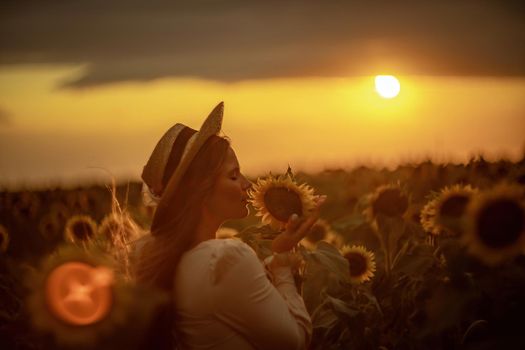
column 79, row 294
column 309, row 123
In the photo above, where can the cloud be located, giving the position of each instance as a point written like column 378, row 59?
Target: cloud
column 238, row 40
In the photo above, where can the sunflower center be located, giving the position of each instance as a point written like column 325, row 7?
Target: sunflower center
column 500, row 223
column 24, row 210
column 454, row 206
column 82, row 230
column 49, row 230
column 281, row 203
column 316, row 233
column 61, row 214
column 357, row 262
column 391, row 202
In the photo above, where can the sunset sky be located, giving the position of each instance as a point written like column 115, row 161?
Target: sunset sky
column 92, row 84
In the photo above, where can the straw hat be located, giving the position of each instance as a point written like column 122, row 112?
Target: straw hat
column 153, row 171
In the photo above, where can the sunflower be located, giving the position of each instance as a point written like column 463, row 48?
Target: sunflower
column 4, row 239
column 388, row 200
column 80, row 201
column 49, row 226
column 80, row 229
column 77, row 297
column 495, row 224
column 361, row 263
column 443, row 213
column 277, row 198
column 119, row 227
column 60, row 212
column 26, row 205
column 321, row 231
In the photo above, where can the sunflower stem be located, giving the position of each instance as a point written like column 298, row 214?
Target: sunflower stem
column 388, row 267
column 383, row 232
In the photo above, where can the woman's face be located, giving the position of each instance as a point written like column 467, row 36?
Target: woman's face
column 229, row 199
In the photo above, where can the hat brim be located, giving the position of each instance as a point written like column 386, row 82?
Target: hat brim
column 211, row 126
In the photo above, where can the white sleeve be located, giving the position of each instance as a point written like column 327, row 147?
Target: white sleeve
column 267, row 316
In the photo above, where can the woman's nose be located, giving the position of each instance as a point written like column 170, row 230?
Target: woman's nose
column 247, row 184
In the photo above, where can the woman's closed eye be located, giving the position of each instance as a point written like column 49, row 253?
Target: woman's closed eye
column 234, row 175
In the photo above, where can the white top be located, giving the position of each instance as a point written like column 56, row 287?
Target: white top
column 224, row 300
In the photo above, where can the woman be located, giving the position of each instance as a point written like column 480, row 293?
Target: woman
column 221, row 295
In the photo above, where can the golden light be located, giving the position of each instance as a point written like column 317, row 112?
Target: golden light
column 79, row 294
column 387, row 86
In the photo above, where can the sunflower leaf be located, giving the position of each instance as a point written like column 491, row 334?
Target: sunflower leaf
column 416, row 261
column 326, row 271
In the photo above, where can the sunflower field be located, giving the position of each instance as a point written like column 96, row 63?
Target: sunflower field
column 425, row 256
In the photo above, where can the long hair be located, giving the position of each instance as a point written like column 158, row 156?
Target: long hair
column 173, row 233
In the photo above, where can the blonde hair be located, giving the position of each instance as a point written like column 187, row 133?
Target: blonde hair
column 172, row 232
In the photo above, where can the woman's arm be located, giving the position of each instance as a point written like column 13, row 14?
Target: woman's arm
column 266, row 315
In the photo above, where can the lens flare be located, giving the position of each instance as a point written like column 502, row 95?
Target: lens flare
column 79, row 294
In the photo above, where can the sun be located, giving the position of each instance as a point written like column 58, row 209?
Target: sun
column 387, row 86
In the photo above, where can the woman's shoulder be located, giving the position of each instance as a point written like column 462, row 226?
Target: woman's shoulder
column 231, row 249
column 223, row 246
column 233, row 245
column 226, row 254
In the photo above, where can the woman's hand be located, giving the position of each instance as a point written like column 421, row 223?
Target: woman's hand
column 293, row 260
column 296, row 229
